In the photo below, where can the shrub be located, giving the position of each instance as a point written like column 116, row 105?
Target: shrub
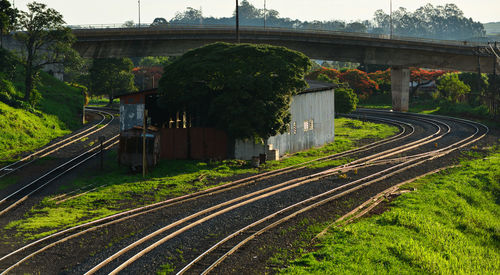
column 452, row 88
column 345, row 100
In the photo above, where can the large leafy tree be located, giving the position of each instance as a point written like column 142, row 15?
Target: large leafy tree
column 45, row 42
column 109, row 76
column 8, row 18
column 243, row 89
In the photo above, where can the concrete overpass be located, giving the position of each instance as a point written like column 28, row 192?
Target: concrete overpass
column 399, row 53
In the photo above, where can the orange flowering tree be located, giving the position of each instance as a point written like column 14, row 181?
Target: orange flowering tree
column 383, row 80
column 359, row 81
column 331, row 73
column 147, row 77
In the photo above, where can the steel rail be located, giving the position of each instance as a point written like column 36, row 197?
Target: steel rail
column 26, row 186
column 317, row 204
column 60, row 233
column 158, row 206
column 43, row 151
column 294, row 183
column 26, row 196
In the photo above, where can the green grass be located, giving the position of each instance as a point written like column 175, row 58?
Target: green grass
column 119, row 190
column 450, row 225
column 21, row 130
column 430, row 106
column 102, row 102
column 57, row 113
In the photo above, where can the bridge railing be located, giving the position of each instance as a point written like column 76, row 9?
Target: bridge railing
column 480, row 41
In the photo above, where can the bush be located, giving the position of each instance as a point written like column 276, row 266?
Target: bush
column 452, row 88
column 345, row 100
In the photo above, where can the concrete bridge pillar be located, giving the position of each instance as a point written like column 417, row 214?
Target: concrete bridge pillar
column 400, row 85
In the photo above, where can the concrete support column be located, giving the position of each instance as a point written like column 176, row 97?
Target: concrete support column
column 400, row 85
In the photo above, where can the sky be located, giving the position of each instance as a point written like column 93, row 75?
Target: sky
column 89, row 12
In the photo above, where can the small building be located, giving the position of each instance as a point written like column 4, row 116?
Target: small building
column 312, row 124
column 131, row 144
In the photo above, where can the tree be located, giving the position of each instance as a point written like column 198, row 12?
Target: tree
column 128, row 24
column 345, row 98
column 149, row 71
column 452, row 88
column 243, row 89
column 383, row 80
column 359, row 81
column 45, row 41
column 440, row 22
column 189, row 16
column 422, row 77
column 8, row 18
column 329, row 72
column 151, row 61
column 109, row 76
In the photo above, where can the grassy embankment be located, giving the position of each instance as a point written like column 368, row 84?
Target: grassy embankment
column 100, row 194
column 22, row 129
column 437, row 107
column 450, row 225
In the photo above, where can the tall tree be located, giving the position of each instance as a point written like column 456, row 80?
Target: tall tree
column 8, row 18
column 46, row 41
column 441, row 22
column 109, row 76
column 243, row 89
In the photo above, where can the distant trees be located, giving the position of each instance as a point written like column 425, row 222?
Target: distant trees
column 440, row 22
column 219, row 82
column 109, row 76
column 46, row 41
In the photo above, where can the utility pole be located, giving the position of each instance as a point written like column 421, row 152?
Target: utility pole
column 265, row 13
column 139, row 3
column 495, row 86
column 390, row 17
column 144, row 157
column 237, row 23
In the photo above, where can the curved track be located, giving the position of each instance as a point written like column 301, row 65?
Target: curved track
column 287, row 192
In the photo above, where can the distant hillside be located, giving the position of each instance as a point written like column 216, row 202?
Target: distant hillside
column 492, row 28
column 23, row 128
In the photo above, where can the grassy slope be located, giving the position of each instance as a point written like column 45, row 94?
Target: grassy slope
column 21, row 130
column 450, row 225
column 118, row 190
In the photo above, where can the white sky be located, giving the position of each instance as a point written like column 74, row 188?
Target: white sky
column 79, row 12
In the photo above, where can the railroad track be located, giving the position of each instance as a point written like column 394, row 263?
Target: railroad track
column 47, row 150
column 149, row 242
column 20, row 195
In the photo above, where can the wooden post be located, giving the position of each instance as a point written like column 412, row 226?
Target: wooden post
column 144, row 159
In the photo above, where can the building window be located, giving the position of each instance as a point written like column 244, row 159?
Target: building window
column 308, row 125
column 294, row 128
